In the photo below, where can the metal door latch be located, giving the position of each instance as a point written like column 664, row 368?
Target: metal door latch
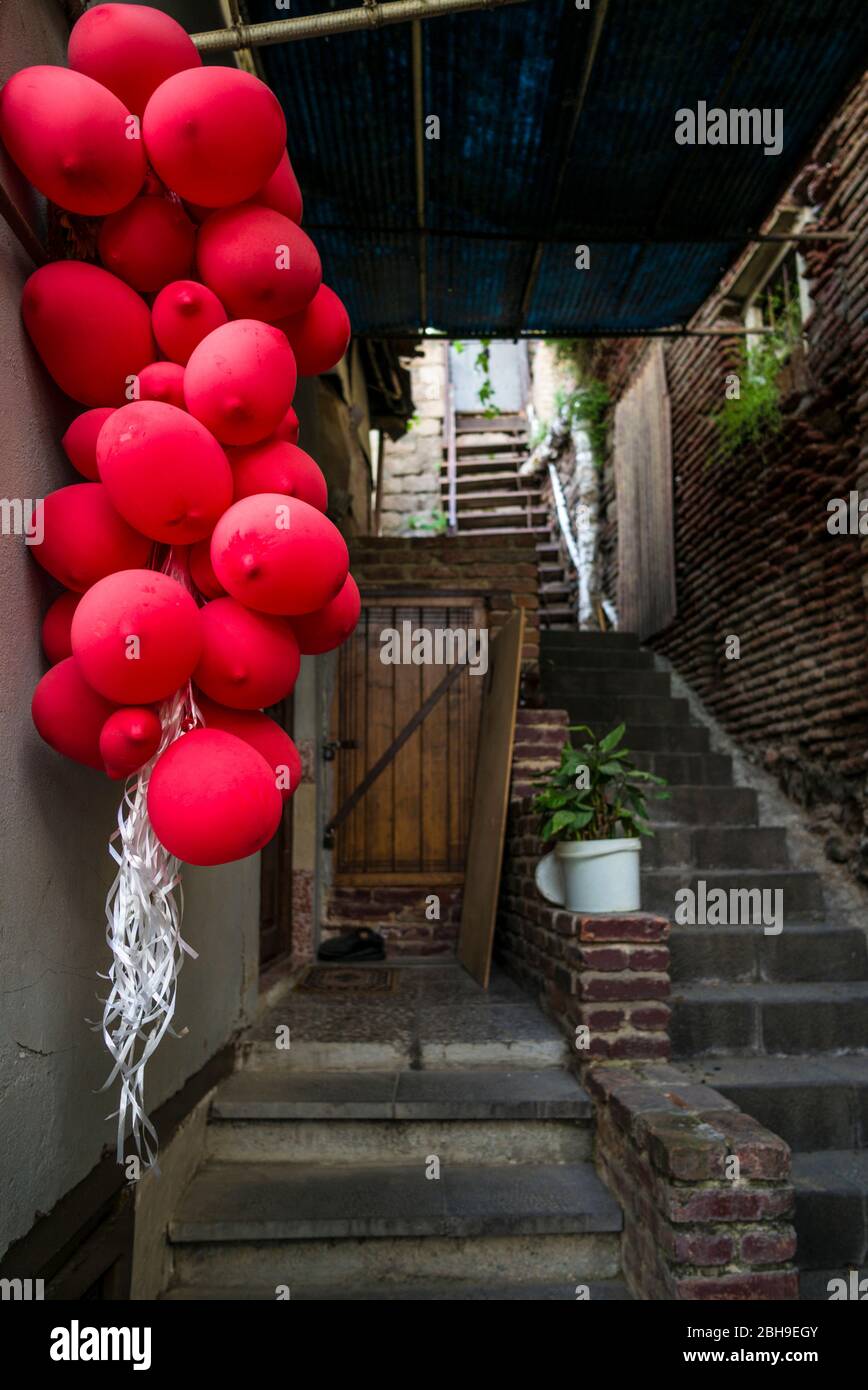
column 334, row 746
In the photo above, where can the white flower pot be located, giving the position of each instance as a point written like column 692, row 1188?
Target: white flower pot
column 591, row 875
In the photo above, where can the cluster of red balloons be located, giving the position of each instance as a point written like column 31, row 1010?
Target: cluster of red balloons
column 184, row 346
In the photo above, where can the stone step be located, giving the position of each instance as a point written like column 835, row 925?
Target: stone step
column 811, row 1102
column 441, row 1291
column 580, row 684
column 801, row 888
column 579, row 640
column 666, row 738
column 831, row 1211
column 596, row 658
column 386, row 1264
column 685, row 769
column 818, row 1285
column 707, row 805
column 382, row 1117
column 776, row 1019
column 299, row 1202
column 716, row 847
column 500, row 1036
column 818, row 951
column 603, row 712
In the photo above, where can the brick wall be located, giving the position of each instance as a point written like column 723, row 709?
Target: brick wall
column 697, row 1225
column 503, row 569
column 754, row 558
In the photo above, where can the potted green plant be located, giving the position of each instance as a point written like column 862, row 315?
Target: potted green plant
column 593, row 808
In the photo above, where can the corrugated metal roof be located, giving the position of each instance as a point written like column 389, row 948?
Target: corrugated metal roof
column 513, row 171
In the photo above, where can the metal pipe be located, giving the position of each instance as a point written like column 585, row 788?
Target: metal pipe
column 373, row 16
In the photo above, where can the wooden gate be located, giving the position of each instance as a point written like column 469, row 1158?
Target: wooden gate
column 411, row 824
column 643, row 483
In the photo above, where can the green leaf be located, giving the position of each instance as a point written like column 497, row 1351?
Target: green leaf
column 613, row 739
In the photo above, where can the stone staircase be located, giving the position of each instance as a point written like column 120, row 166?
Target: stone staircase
column 316, row 1183
column 494, row 499
column 777, row 1023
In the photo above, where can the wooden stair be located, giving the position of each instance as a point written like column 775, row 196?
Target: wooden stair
column 493, row 499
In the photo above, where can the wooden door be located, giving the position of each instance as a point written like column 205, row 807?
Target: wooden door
column 411, row 826
column 643, row 485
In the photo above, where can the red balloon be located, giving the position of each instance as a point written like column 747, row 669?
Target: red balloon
column 212, row 798
column 278, row 554
column 282, row 192
column 214, row 134
column 263, row 734
column 73, row 139
column 79, row 442
column 240, row 380
column 259, row 263
column 163, row 381
column 320, row 334
column 136, row 636
column 275, row 466
column 202, row 571
column 163, row 471
column 56, row 624
column 131, row 49
column 148, row 243
column 130, row 737
column 331, row 625
column 85, row 538
column 90, row 329
column 69, row 715
column 248, row 660
column 183, row 314
column 288, row 427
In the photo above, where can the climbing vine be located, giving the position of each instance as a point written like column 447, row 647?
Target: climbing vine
column 588, row 405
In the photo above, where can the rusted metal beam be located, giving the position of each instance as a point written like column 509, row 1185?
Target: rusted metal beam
column 315, row 26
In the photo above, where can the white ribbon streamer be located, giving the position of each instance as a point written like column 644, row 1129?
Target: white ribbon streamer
column 144, row 909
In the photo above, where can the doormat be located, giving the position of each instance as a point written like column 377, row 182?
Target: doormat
column 338, row 979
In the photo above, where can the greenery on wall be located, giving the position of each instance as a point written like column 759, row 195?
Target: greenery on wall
column 588, row 406
column 754, row 415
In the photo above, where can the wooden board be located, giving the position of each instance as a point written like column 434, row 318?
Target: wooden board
column 643, row 487
column 490, row 800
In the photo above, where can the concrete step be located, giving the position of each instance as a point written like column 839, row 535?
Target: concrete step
column 818, row 951
column 776, row 1019
column 658, row 738
column 831, row 1210
column 470, row 482
column 811, row 1102
column 707, row 806
column 582, row 683
column 685, row 769
column 583, row 641
column 604, row 711
column 818, row 1285
column 595, row 658
column 716, row 847
column 277, row 1224
column 441, row 1291
column 801, row 888
column 338, row 1118
column 496, row 1036
column 488, row 424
